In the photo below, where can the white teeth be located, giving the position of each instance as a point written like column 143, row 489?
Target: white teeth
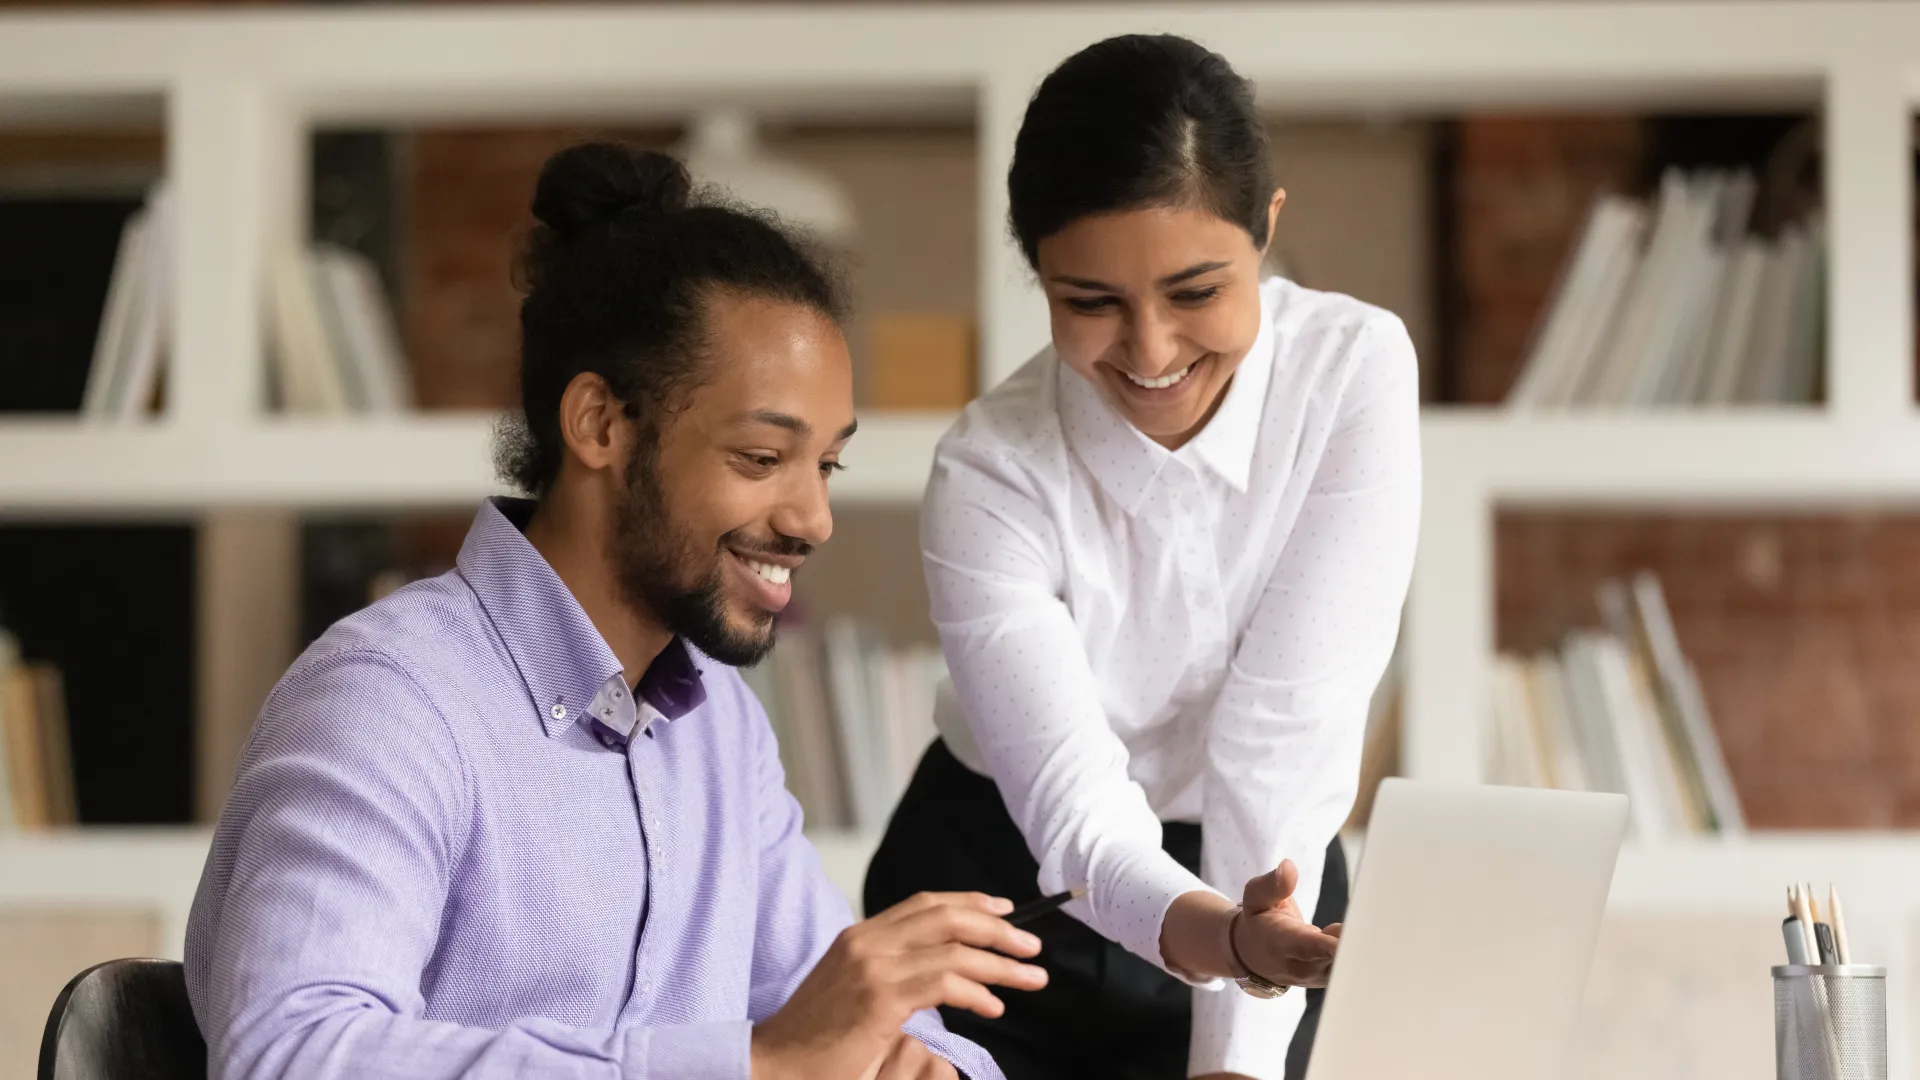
column 1163, row 381
column 776, row 574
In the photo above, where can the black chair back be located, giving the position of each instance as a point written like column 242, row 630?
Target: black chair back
column 124, row 1020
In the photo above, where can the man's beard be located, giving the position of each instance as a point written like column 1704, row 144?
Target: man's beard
column 653, row 560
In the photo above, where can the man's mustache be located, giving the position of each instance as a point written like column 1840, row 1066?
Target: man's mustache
column 785, row 546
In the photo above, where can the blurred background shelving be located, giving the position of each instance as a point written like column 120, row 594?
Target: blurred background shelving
column 1442, row 160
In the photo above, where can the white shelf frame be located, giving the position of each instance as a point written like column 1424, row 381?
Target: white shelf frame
column 239, row 90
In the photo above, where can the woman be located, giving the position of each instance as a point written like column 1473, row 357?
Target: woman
column 1166, row 559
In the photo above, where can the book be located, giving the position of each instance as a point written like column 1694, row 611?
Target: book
column 1764, row 379
column 853, row 714
column 1518, row 758
column 363, row 338
column 136, row 320
column 802, row 700
column 9, row 657
column 1601, row 313
column 1582, row 306
column 56, row 744
column 920, row 361
column 1643, row 764
column 307, row 369
column 1587, row 710
column 1800, row 364
column 1547, row 695
column 110, row 342
column 1615, row 709
column 26, row 763
column 1632, row 355
column 1674, row 303
column 1664, row 745
column 1677, row 325
column 151, row 318
column 1733, row 322
column 1680, row 690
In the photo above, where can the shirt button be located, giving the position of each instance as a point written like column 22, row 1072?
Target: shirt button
column 558, row 712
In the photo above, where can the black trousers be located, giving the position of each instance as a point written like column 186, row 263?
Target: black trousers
column 1104, row 1012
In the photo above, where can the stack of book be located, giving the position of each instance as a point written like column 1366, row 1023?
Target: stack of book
column 36, row 754
column 1617, row 709
column 852, row 715
column 334, row 342
column 135, row 324
column 1678, row 303
column 335, row 346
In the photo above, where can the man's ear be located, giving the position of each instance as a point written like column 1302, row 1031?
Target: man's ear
column 594, row 423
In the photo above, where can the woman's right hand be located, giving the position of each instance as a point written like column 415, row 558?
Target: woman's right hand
column 1274, row 940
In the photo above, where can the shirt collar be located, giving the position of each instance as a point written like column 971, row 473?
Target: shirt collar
column 1126, row 462
column 569, row 670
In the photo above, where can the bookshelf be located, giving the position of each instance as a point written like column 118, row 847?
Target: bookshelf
column 166, row 467
column 239, row 92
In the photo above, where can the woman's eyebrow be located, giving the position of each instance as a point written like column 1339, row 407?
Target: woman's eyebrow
column 1188, row 274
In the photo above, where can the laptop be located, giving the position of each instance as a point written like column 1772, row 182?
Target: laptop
column 1466, row 944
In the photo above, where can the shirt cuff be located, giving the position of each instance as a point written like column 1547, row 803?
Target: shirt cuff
column 1238, row 1033
column 964, row 1055
column 717, row 1051
column 1134, row 908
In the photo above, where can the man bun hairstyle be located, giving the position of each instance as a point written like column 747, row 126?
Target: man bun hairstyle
column 624, row 254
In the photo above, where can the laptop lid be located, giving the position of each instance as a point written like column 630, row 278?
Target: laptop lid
column 1466, row 945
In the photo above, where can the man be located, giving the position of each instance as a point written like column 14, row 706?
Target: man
column 522, row 819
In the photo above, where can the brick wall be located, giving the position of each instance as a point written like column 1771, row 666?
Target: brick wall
column 1519, row 195
column 1805, row 631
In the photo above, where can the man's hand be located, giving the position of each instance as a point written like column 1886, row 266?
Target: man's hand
column 928, row 951
column 1272, row 937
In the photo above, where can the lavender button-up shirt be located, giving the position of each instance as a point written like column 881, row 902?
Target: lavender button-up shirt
column 456, row 847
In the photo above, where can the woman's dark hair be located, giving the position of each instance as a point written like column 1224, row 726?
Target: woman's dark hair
column 622, row 259
column 1139, row 121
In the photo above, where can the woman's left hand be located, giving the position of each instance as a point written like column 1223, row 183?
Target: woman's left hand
column 1274, row 940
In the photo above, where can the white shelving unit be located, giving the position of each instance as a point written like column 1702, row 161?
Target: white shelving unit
column 239, row 92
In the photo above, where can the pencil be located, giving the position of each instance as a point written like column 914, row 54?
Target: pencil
column 1839, row 924
column 1805, row 900
column 1033, row 909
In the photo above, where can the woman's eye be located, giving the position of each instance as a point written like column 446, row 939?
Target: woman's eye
column 1196, row 296
column 828, row 468
column 760, row 462
column 1090, row 305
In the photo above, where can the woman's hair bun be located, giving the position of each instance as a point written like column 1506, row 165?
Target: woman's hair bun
column 585, row 185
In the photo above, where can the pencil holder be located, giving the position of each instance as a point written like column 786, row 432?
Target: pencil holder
column 1830, row 1022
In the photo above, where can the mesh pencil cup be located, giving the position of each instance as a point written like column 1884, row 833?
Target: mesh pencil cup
column 1830, row 1022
